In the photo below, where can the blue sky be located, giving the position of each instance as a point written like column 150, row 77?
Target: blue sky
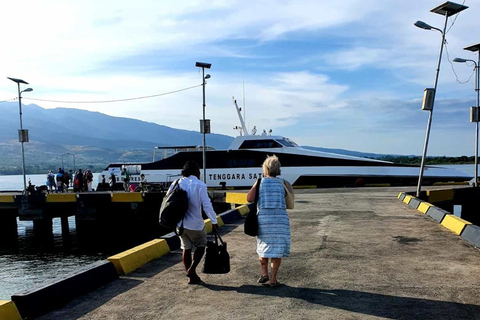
column 347, row 74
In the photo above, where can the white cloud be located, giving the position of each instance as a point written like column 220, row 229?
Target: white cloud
column 306, row 62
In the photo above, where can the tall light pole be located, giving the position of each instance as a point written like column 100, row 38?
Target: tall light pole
column 204, row 124
column 447, row 9
column 22, row 134
column 71, row 154
column 474, row 115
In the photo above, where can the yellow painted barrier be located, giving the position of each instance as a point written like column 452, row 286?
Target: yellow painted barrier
column 424, row 206
column 439, row 195
column 130, row 260
column 407, row 199
column 208, row 225
column 243, row 210
column 454, row 223
column 399, row 195
column 236, row 198
column 127, row 197
column 220, row 221
column 9, row 311
column 61, row 197
column 7, row 198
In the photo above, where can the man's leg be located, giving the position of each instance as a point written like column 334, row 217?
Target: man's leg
column 197, row 257
column 187, row 259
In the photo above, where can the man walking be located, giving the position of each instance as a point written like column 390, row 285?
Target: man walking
column 194, row 235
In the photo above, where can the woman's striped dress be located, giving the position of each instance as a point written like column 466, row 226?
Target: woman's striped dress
column 273, row 240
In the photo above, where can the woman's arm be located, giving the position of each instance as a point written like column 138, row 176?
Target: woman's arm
column 251, row 192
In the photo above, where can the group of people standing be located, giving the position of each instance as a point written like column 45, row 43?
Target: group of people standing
column 62, row 180
column 273, row 239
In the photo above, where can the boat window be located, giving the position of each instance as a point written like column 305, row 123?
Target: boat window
column 287, row 142
column 260, row 144
column 236, row 163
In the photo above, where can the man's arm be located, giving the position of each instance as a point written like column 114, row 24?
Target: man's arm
column 207, row 204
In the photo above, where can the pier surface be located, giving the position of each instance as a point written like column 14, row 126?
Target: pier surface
column 356, row 254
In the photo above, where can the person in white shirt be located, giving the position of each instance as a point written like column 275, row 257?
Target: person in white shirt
column 194, row 234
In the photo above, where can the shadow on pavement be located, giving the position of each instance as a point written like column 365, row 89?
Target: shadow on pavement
column 80, row 307
column 380, row 305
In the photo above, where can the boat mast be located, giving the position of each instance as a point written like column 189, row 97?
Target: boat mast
column 243, row 127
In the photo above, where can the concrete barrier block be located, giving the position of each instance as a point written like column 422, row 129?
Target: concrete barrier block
column 437, row 213
column 407, row 199
column 173, row 241
column 424, row 206
column 40, row 300
column 8, row 310
column 208, row 225
column 243, row 210
column 61, row 197
column 454, row 223
column 401, row 196
column 7, row 198
column 439, row 195
column 236, row 198
column 127, row 197
column 130, row 260
column 414, row 203
column 471, row 233
column 220, row 221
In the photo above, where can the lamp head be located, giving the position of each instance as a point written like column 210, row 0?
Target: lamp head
column 423, row 25
column 207, row 76
column 27, row 90
column 459, row 60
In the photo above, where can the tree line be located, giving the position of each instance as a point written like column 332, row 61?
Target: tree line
column 417, row 160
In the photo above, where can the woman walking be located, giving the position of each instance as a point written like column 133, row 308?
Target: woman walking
column 273, row 239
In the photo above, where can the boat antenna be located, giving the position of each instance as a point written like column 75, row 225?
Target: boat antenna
column 243, row 127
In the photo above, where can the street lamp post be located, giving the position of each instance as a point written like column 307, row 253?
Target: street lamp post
column 22, row 134
column 474, row 115
column 71, row 154
column 203, row 123
column 447, row 9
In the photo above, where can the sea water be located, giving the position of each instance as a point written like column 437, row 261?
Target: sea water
column 31, row 260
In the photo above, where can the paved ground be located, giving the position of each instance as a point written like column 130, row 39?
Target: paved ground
column 356, row 254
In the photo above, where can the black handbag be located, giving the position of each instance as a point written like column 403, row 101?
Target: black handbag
column 174, row 206
column 250, row 227
column 217, row 259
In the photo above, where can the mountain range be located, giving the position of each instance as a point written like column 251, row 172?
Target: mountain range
column 59, row 136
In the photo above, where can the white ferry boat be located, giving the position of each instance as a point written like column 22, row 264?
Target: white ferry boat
column 241, row 164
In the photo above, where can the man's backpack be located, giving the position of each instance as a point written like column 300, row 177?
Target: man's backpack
column 174, row 206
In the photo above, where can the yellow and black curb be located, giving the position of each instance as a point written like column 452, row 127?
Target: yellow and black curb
column 43, row 299
column 457, row 225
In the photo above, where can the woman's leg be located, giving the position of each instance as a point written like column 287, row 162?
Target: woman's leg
column 275, row 264
column 264, row 266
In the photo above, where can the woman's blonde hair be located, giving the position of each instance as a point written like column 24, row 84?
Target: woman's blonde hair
column 271, row 166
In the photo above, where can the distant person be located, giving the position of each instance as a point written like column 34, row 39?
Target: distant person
column 79, row 180
column 112, row 180
column 89, row 180
column 51, row 181
column 72, row 176
column 66, row 180
column 126, row 179
column 143, row 183
column 273, row 239
column 59, row 179
column 194, row 235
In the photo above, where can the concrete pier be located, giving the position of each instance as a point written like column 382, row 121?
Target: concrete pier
column 356, row 254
